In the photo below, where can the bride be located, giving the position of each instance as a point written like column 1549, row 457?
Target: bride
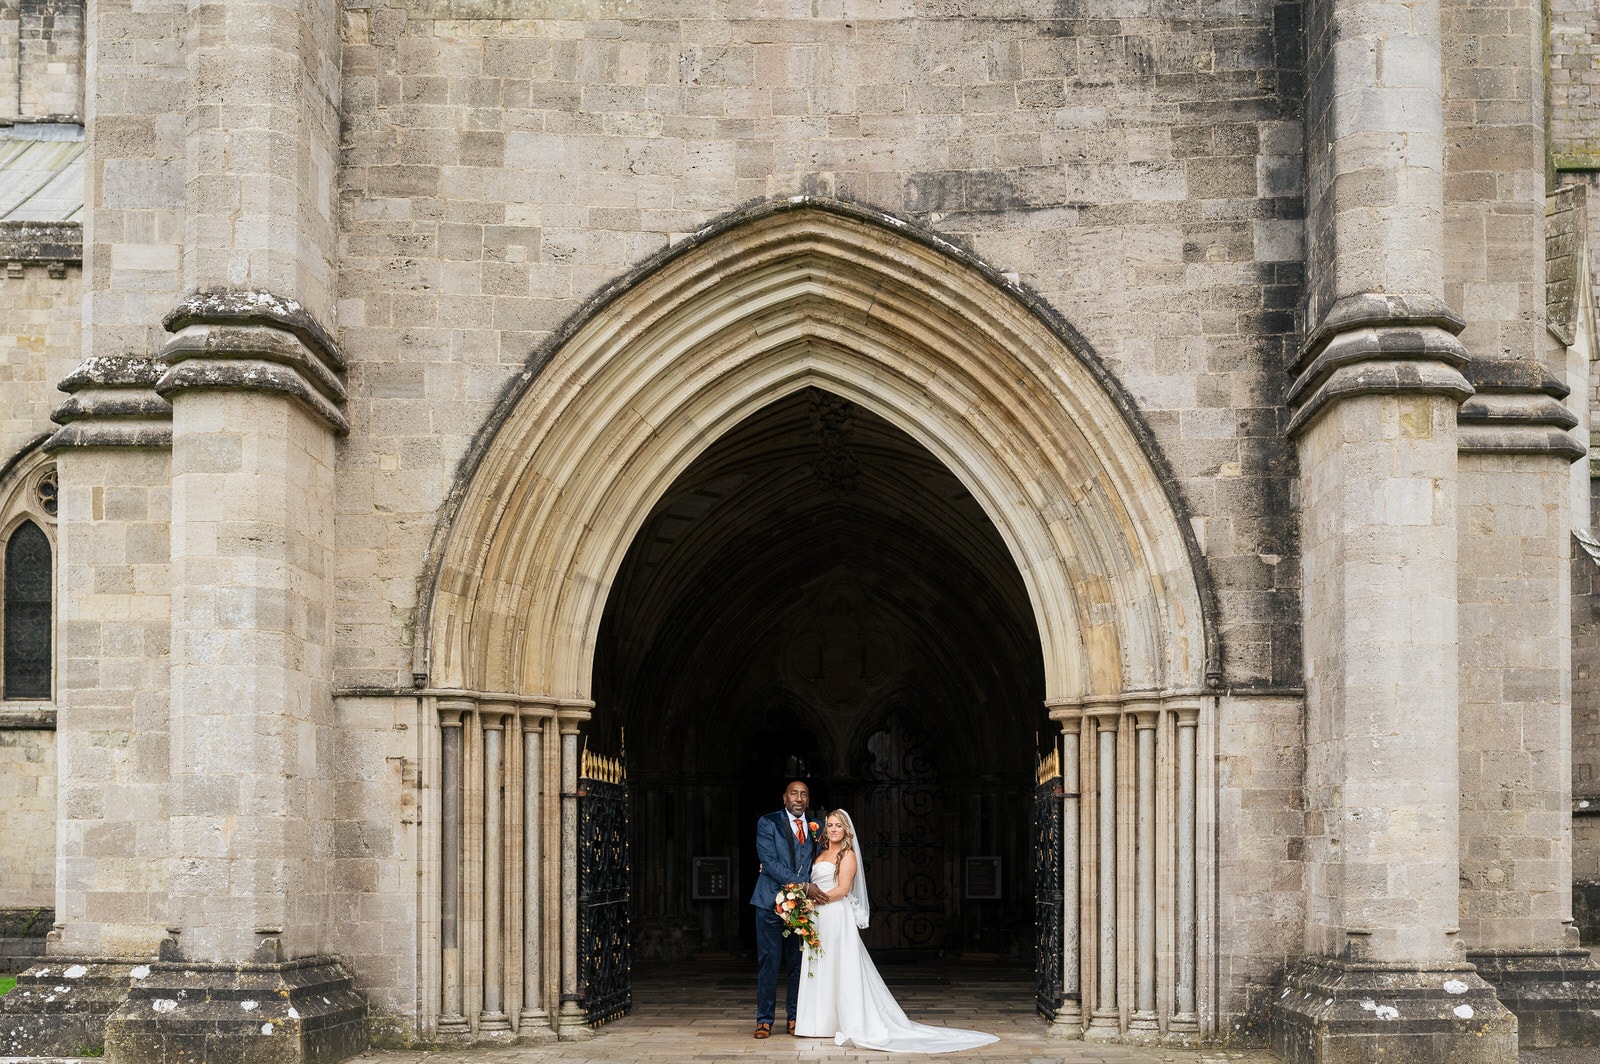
column 842, row 994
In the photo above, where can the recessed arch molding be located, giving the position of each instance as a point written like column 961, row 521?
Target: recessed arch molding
column 771, row 302
column 814, row 294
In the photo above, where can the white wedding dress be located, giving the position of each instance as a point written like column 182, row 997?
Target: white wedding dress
column 842, row 994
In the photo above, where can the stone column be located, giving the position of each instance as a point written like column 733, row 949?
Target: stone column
column 535, row 1020
column 112, row 466
column 1375, row 400
column 493, row 1018
column 1515, row 530
column 571, row 1022
column 1105, row 1020
column 1515, row 747
column 252, row 569
column 1185, row 1019
column 253, row 375
column 1144, row 1024
column 452, row 717
column 1069, row 1020
column 254, row 391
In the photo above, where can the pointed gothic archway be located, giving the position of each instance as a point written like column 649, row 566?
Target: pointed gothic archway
column 784, row 299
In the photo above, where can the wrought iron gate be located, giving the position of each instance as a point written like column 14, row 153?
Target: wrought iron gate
column 1047, row 797
column 605, row 950
column 899, row 808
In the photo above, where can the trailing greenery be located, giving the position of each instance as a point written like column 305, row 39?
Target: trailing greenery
column 7, row 982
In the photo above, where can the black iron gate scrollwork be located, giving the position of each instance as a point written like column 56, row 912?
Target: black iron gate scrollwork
column 1047, row 811
column 605, row 951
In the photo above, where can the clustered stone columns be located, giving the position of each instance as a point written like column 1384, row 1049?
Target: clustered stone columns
column 1375, row 403
column 508, row 773
column 1130, row 937
column 255, row 393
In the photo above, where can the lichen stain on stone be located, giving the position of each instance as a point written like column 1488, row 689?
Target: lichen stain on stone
column 1382, row 1012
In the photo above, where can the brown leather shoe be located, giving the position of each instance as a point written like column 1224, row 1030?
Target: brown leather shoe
column 763, row 1030
column 791, row 1027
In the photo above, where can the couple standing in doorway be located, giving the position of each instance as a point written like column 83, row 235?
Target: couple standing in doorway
column 842, row 996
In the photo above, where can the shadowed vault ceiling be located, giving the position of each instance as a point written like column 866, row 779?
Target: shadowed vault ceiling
column 812, row 572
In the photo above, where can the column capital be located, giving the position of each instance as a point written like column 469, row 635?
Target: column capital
column 1378, row 343
column 242, row 340
column 570, row 713
column 1103, row 709
column 112, row 402
column 1067, row 712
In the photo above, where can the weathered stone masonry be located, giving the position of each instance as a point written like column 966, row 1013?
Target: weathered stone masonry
column 395, row 319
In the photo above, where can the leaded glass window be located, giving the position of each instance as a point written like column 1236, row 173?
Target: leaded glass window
column 27, row 616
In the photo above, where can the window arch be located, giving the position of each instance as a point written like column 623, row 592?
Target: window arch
column 28, row 504
column 28, row 576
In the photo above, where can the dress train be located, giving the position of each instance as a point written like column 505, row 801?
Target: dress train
column 842, row 994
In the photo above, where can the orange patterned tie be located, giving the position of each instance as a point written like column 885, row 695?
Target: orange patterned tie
column 799, row 833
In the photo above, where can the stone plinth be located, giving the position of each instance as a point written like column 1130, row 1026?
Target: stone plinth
column 1555, row 993
column 22, row 934
column 1331, row 1012
column 59, row 1008
column 297, row 1012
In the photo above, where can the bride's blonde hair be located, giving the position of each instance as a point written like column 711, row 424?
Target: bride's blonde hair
column 848, row 843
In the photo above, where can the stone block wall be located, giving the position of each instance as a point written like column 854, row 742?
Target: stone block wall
column 1574, row 84
column 112, row 684
column 134, row 176
column 40, row 327
column 377, row 927
column 498, row 173
column 1515, row 760
column 27, row 814
column 41, row 58
column 1141, row 174
column 1261, row 905
column 1494, row 188
column 28, row 826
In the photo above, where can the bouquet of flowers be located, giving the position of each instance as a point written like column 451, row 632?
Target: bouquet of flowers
column 799, row 916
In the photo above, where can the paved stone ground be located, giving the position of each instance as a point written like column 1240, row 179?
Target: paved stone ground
column 706, row 1014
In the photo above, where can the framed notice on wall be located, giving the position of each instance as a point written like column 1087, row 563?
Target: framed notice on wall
column 709, row 880
column 983, row 877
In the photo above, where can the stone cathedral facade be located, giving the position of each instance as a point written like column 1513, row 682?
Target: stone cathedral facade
column 419, row 413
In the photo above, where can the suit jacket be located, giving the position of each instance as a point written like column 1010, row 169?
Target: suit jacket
column 783, row 859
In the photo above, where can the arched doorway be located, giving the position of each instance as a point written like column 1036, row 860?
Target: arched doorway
column 788, row 303
column 817, row 595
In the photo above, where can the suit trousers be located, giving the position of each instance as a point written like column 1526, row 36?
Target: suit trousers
column 773, row 951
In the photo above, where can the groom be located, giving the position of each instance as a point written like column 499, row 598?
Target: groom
column 785, row 845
